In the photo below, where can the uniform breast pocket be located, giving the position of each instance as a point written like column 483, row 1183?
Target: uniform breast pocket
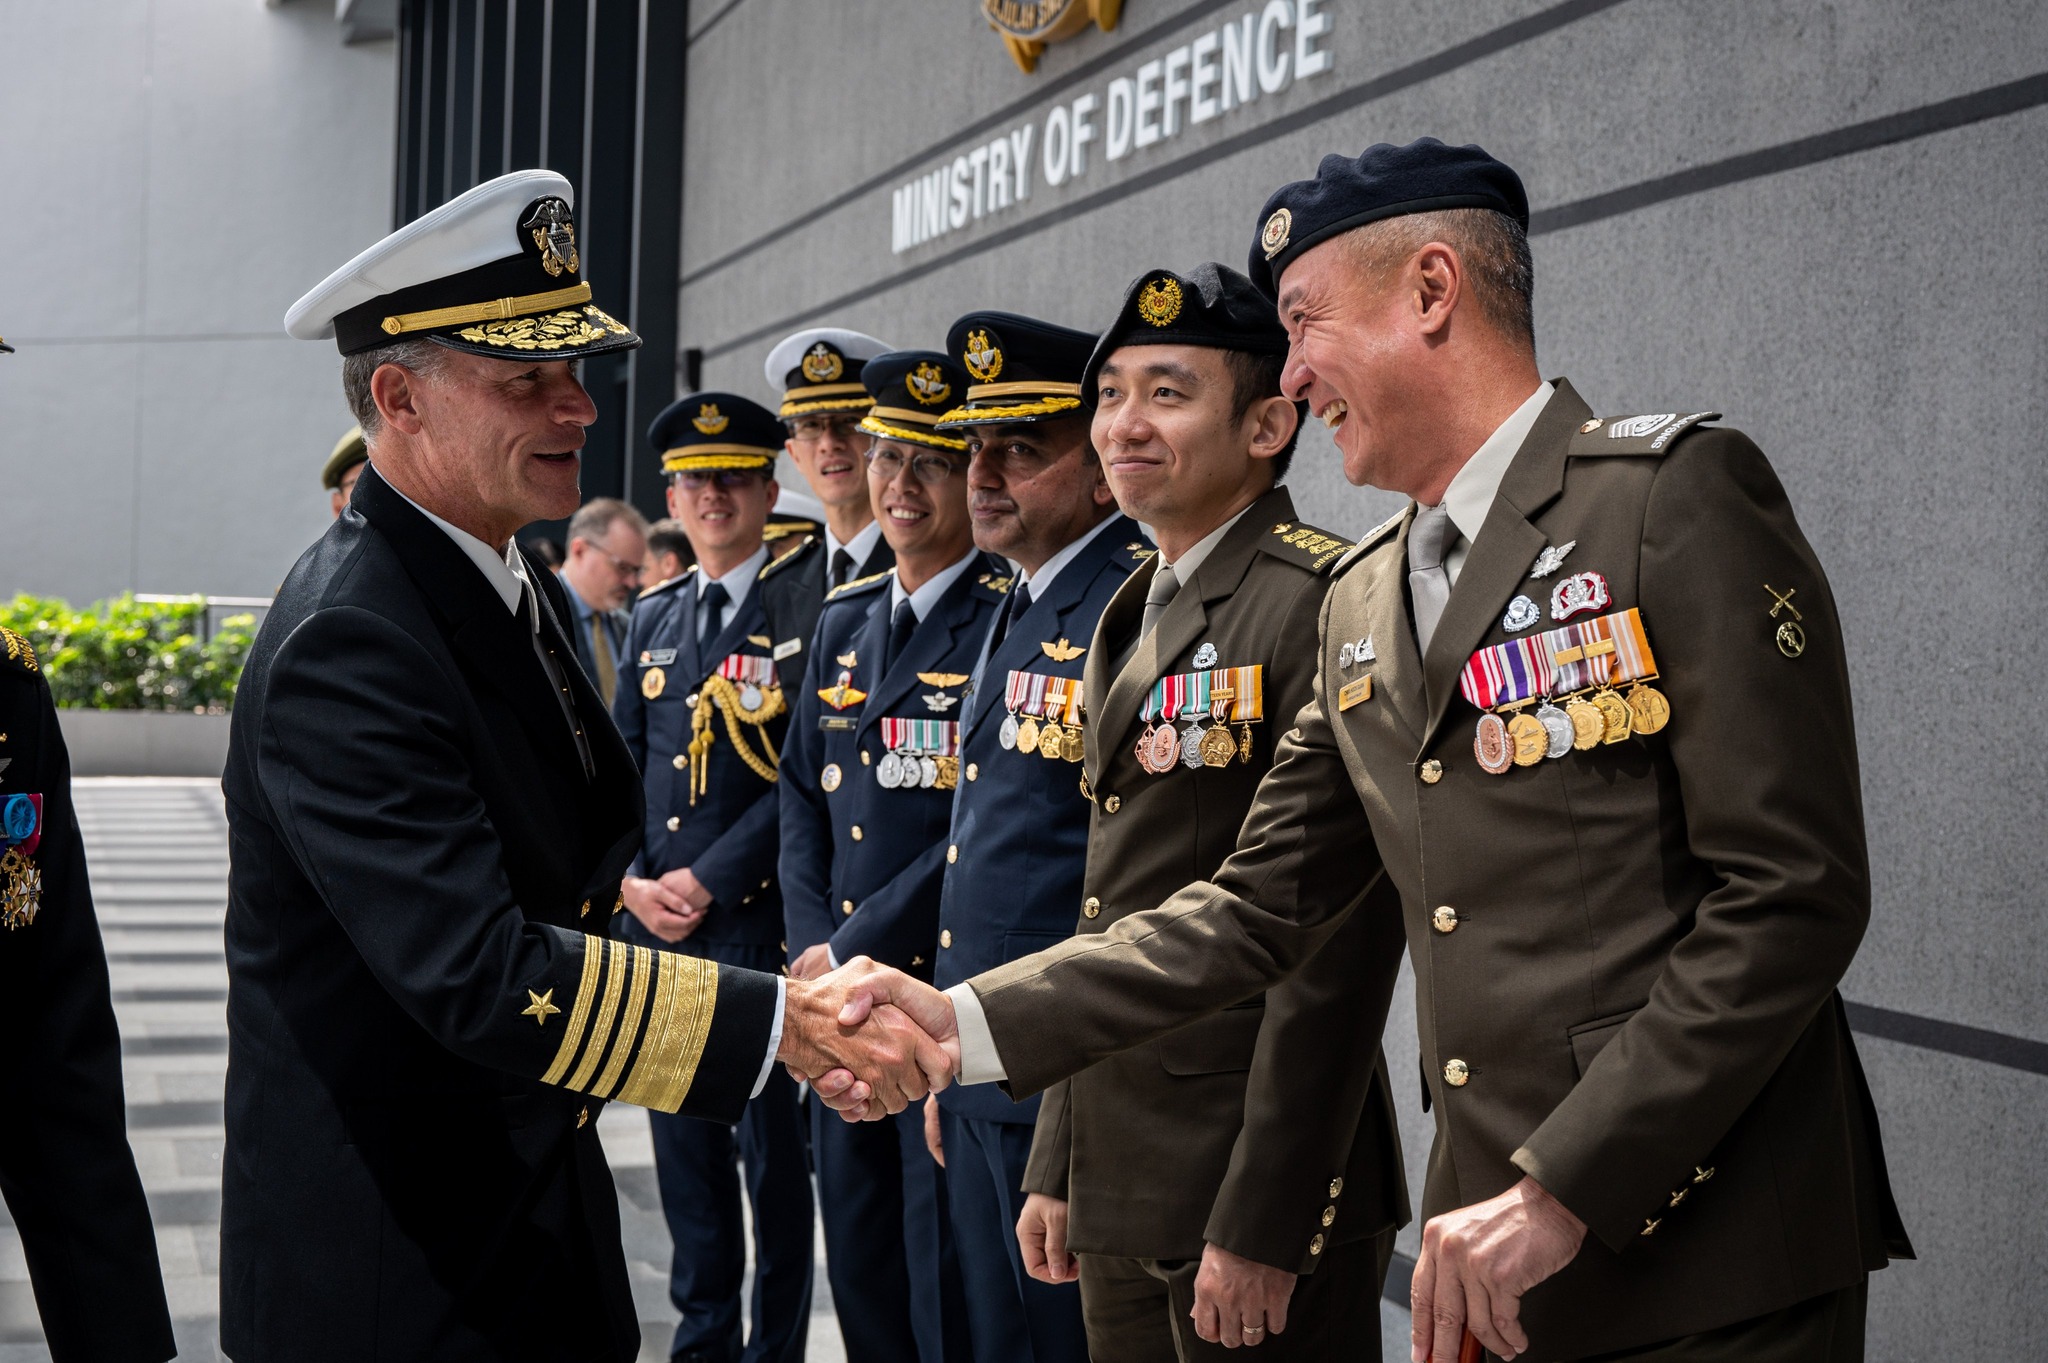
column 1020, row 943
column 1590, row 1038
column 1217, row 1045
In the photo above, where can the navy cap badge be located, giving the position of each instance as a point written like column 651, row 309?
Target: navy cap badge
column 709, row 420
column 984, row 360
column 1273, row 240
column 555, row 234
column 1159, row 302
column 822, row 364
column 927, row 383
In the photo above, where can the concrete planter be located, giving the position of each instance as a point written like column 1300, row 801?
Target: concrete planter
column 144, row 742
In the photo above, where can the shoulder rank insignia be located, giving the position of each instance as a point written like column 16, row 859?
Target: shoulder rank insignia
column 1370, row 538
column 789, row 556
column 20, row 650
column 1063, row 651
column 995, row 582
column 842, row 693
column 1313, row 549
column 843, row 588
column 1648, row 434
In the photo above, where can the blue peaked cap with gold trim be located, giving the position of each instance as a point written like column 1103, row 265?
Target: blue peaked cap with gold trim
column 494, row 271
column 1383, row 181
column 912, row 389
column 1020, row 369
column 716, row 431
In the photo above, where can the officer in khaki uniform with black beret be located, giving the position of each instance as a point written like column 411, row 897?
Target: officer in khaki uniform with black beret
column 1199, row 1176
column 1586, row 703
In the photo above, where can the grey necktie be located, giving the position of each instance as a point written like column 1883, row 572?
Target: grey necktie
column 1429, row 585
column 1157, row 598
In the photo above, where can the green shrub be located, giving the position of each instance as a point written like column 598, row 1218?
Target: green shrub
column 126, row 654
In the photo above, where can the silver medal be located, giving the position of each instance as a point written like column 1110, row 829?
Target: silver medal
column 1008, row 735
column 890, row 772
column 1558, row 726
column 1522, row 613
column 750, row 698
column 928, row 770
column 1205, row 656
column 1191, row 746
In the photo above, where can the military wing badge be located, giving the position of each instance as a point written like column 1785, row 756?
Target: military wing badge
column 1552, row 558
column 1064, row 651
column 842, row 693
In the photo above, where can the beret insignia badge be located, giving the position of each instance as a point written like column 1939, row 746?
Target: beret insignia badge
column 555, row 235
column 1279, row 227
column 984, row 360
column 927, row 384
column 822, row 364
column 1159, row 302
column 709, row 420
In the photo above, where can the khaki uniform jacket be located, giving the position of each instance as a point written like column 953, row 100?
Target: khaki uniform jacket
column 1266, row 1128
column 1637, row 976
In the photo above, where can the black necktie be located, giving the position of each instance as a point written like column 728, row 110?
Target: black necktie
column 842, row 569
column 1014, row 607
column 901, row 626
column 710, row 614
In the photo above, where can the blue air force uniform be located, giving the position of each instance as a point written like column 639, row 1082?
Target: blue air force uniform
column 704, row 717
column 861, row 866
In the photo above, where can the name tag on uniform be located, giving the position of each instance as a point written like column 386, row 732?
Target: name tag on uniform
column 657, row 657
column 1355, row 692
column 837, row 724
column 788, row 648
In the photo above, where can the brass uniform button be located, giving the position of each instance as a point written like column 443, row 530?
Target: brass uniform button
column 1112, row 803
column 946, row 938
column 952, row 854
column 917, row 960
column 865, row 760
column 582, row 1116
column 674, row 822
column 1336, row 1187
column 1445, row 919
column 679, row 761
column 1329, row 1216
column 1457, row 1073
column 1091, row 907
column 1315, row 1246
column 846, row 907
column 1432, row 772
column 974, row 771
column 584, row 912
column 857, row 835
column 692, row 700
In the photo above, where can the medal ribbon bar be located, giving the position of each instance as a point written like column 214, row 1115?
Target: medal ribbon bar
column 922, row 737
column 749, row 669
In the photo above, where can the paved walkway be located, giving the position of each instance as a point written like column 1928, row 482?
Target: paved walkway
column 158, row 855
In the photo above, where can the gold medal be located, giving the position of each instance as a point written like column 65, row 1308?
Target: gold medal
column 1614, row 710
column 1219, row 745
column 949, row 772
column 21, row 889
column 1027, row 735
column 1244, row 742
column 1052, row 741
column 1588, row 724
column 1647, row 708
column 1530, row 738
column 1075, row 748
column 652, row 681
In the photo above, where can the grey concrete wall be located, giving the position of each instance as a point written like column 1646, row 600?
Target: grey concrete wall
column 176, row 173
column 1820, row 219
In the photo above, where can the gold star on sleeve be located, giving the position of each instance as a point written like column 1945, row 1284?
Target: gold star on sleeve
column 542, row 1008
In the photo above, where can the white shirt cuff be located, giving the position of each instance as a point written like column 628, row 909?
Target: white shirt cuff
column 830, row 959
column 979, row 1061
column 774, row 1037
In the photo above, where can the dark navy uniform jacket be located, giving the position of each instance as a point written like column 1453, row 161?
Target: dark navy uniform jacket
column 65, row 1167
column 861, row 863
column 728, row 838
column 792, row 595
column 1020, row 822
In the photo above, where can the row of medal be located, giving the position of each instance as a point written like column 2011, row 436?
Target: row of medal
column 1044, row 718
column 1570, row 675
column 924, row 754
column 21, row 880
column 1224, row 696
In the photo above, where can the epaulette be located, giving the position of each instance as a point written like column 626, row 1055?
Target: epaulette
column 997, row 584
column 777, row 564
column 1137, row 551
column 20, row 652
column 1304, row 545
column 1370, row 538
column 667, row 584
column 1651, row 434
column 859, row 584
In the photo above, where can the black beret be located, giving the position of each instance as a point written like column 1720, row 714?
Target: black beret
column 912, row 389
column 716, row 431
column 1385, row 181
column 1022, row 369
column 1211, row 305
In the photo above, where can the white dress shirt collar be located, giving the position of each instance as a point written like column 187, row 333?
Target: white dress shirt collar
column 737, row 581
column 925, row 597
column 502, row 568
column 1040, row 582
column 858, row 548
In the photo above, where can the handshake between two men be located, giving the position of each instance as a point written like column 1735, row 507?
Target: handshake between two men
column 869, row 1039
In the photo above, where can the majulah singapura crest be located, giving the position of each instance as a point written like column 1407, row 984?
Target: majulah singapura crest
column 822, row 364
column 555, row 234
column 984, row 360
column 1159, row 301
column 927, row 383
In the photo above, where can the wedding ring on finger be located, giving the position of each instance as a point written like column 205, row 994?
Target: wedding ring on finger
column 1254, row 1331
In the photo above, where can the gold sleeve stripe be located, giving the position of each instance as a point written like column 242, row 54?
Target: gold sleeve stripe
column 572, row 1035
column 601, row 1030
column 667, row 1064
column 629, row 1022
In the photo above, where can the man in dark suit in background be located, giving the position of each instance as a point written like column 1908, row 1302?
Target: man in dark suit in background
column 704, row 715
column 429, row 812
column 607, row 555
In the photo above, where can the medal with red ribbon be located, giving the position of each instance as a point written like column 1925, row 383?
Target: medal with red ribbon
column 923, row 754
column 1577, row 666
